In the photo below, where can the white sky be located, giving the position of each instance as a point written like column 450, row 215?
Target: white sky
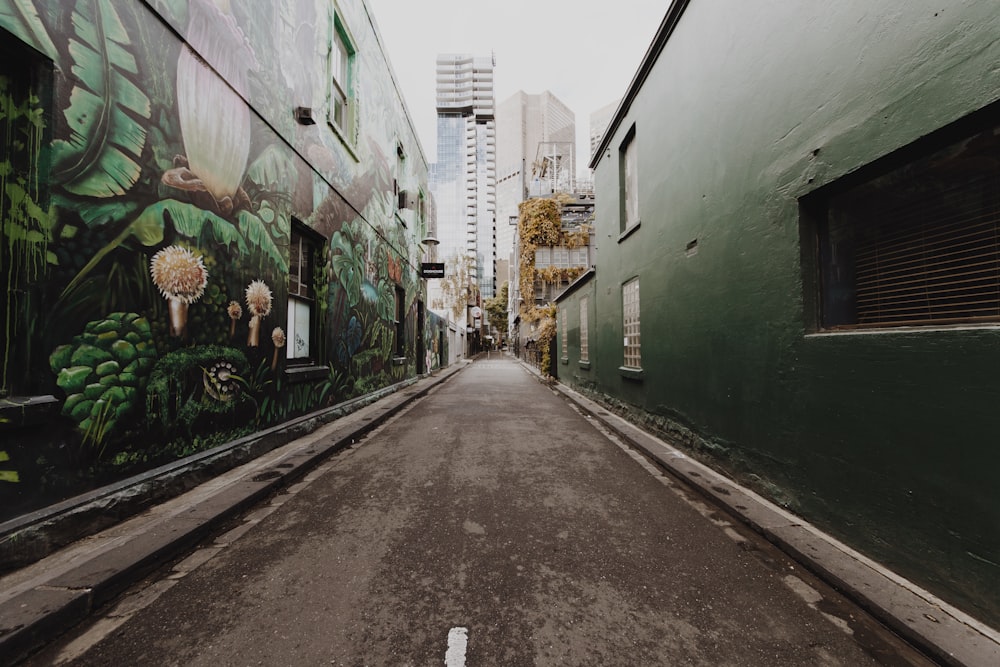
column 585, row 53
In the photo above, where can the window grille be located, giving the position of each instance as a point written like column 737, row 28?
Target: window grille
column 564, row 338
column 584, row 334
column 630, row 319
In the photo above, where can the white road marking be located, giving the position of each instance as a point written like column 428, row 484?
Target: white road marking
column 458, row 639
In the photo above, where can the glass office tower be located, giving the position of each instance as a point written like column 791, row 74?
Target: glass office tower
column 463, row 179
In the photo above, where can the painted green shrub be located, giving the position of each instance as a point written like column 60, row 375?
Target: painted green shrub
column 103, row 373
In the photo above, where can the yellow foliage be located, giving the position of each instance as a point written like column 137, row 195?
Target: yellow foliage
column 540, row 224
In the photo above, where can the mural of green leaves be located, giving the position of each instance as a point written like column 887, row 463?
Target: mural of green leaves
column 106, row 110
column 148, row 205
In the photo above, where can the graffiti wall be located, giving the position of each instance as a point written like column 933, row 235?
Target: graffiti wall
column 211, row 215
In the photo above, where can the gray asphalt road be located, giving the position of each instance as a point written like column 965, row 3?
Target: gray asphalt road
column 489, row 524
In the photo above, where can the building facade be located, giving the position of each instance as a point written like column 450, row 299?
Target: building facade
column 797, row 278
column 463, row 178
column 599, row 121
column 211, row 224
column 549, row 262
column 536, row 136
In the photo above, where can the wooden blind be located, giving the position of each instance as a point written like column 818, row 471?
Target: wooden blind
column 931, row 255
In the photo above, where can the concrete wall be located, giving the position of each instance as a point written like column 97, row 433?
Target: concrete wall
column 167, row 130
column 887, row 438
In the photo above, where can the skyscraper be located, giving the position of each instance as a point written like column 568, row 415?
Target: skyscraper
column 464, row 178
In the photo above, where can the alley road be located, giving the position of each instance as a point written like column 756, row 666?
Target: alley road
column 489, row 524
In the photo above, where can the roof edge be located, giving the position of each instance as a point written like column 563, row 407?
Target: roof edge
column 670, row 20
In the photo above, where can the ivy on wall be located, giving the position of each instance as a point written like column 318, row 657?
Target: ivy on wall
column 540, row 225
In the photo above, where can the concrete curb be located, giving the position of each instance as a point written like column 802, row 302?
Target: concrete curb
column 943, row 632
column 43, row 600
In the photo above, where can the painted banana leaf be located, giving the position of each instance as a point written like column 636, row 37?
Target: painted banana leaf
column 348, row 266
column 254, row 231
column 193, row 222
column 99, row 214
column 106, row 107
column 21, row 18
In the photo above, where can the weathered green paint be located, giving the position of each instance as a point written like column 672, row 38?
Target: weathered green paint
column 887, row 439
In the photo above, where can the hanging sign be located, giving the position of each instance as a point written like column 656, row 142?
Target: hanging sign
column 432, row 269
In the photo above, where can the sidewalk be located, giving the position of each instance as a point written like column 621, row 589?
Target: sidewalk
column 41, row 601
column 944, row 632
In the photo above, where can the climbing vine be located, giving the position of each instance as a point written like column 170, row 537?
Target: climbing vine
column 540, row 225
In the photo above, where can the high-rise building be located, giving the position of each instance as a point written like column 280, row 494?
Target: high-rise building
column 599, row 121
column 535, row 157
column 463, row 179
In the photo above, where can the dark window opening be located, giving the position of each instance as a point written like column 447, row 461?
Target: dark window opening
column 400, row 322
column 301, row 294
column 918, row 245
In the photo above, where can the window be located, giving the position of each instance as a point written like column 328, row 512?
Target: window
column 629, row 182
column 300, row 293
column 584, row 334
column 630, row 320
column 918, row 245
column 400, row 322
column 564, row 339
column 342, row 54
column 543, row 257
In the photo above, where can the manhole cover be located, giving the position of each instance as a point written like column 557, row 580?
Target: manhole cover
column 264, row 476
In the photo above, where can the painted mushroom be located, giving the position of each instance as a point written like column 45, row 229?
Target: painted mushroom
column 181, row 278
column 235, row 311
column 278, row 338
column 259, row 304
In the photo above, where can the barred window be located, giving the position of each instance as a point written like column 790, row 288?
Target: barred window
column 584, row 334
column 564, row 338
column 630, row 320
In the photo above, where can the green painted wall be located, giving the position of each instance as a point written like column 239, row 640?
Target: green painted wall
column 886, row 439
column 153, row 168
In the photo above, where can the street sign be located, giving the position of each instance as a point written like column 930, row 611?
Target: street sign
column 432, row 269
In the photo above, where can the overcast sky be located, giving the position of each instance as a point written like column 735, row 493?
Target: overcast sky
column 585, row 53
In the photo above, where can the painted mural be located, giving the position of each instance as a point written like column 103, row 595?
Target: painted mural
column 157, row 195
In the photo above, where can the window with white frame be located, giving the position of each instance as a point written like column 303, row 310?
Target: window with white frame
column 584, row 334
column 300, row 293
column 342, row 55
column 629, row 182
column 630, row 321
column 543, row 257
column 560, row 257
column 564, row 325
